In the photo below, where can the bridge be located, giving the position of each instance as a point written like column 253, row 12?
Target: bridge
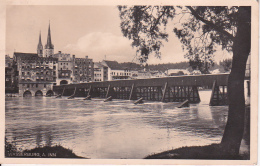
column 166, row 89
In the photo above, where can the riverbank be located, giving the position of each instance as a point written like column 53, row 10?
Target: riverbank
column 56, row 151
column 213, row 151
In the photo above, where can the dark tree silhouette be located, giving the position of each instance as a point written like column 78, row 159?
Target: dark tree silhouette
column 200, row 32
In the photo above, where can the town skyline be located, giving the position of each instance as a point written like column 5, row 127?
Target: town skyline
column 71, row 35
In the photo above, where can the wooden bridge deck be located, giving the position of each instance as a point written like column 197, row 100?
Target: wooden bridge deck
column 194, row 80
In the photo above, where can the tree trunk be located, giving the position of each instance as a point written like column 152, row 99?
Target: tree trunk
column 241, row 48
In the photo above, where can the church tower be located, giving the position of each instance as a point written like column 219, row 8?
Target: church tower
column 49, row 47
column 40, row 47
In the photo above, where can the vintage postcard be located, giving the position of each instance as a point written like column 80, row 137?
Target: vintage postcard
column 131, row 82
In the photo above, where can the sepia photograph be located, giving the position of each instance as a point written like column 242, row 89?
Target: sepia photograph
column 130, row 81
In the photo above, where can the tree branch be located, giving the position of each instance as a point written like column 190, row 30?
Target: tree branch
column 214, row 26
column 157, row 21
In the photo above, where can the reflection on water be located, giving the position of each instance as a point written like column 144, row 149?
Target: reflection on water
column 116, row 129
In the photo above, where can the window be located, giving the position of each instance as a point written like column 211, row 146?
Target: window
column 67, row 74
column 54, row 73
column 36, row 85
column 22, row 73
column 28, row 85
column 32, row 85
column 44, row 85
column 28, row 73
column 54, row 67
column 47, row 79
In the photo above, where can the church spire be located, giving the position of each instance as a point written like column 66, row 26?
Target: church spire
column 49, row 45
column 49, row 48
column 40, row 40
column 40, row 47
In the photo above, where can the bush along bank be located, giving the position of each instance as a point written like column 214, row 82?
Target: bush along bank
column 56, row 151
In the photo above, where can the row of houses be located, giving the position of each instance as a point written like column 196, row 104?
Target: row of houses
column 35, row 74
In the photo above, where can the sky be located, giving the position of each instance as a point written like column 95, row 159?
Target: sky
column 92, row 31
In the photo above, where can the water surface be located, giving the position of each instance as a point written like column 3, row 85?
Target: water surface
column 116, row 129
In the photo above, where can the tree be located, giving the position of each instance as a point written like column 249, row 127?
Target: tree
column 203, row 29
column 227, row 64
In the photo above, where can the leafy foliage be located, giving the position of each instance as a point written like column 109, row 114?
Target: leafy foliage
column 227, row 64
column 202, row 29
column 146, row 26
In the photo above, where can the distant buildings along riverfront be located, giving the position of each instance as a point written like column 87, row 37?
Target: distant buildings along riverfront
column 35, row 74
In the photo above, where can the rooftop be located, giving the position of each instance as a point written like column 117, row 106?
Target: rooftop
column 114, row 65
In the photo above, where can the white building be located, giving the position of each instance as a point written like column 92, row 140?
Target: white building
column 116, row 71
column 100, row 72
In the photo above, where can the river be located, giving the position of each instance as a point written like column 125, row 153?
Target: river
column 112, row 130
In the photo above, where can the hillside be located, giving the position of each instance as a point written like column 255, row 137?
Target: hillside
column 163, row 67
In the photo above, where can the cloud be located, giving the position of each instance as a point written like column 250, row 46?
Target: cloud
column 98, row 44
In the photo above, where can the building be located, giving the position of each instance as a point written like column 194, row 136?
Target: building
column 157, row 74
column 141, row 74
column 36, row 75
column 65, row 68
column 83, row 70
column 116, row 71
column 176, row 72
column 100, row 72
column 8, row 61
column 10, row 81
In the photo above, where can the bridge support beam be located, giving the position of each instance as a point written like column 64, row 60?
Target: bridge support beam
column 63, row 91
column 73, row 95
column 89, row 90
column 108, row 89
column 132, row 92
column 164, row 91
column 218, row 95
